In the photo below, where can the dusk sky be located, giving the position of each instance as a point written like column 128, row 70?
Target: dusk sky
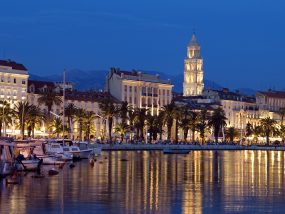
column 242, row 42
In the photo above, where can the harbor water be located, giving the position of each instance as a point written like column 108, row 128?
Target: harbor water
column 153, row 182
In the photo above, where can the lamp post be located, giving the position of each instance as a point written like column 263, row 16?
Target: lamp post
column 3, row 122
column 23, row 127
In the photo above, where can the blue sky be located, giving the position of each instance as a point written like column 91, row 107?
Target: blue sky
column 243, row 42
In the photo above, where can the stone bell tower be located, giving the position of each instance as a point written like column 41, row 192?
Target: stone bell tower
column 193, row 70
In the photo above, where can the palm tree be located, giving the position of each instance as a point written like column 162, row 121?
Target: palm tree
column 122, row 129
column 35, row 116
column 257, row 131
column 193, row 123
column 6, row 115
column 49, row 98
column 159, row 124
column 231, row 133
column 109, row 111
column 70, row 113
column 203, row 123
column 139, row 121
column 21, row 111
column 282, row 133
column 169, row 114
column 131, row 117
column 281, row 113
column 248, row 130
column 57, row 126
column 217, row 121
column 80, row 115
column 177, row 116
column 184, row 121
column 267, row 125
column 153, row 125
column 123, row 111
column 88, row 123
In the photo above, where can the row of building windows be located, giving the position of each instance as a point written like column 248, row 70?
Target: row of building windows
column 148, row 91
column 149, row 101
column 12, row 80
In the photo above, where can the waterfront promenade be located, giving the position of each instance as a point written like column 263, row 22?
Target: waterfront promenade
column 118, row 147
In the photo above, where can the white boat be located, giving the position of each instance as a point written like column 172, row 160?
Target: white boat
column 175, row 151
column 84, row 146
column 80, row 151
column 6, row 159
column 38, row 150
column 56, row 149
column 76, row 152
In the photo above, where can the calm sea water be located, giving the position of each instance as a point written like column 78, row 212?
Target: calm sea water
column 151, row 182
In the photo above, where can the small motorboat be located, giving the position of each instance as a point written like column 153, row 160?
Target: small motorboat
column 76, row 152
column 56, row 149
column 28, row 165
column 175, row 151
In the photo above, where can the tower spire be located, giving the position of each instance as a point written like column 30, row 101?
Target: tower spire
column 193, row 41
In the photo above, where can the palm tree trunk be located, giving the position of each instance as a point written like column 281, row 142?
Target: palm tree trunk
column 23, row 131
column 185, row 134
column 168, row 132
column 141, row 133
column 0, row 128
column 33, row 131
column 110, row 124
column 176, row 130
column 216, row 133
column 160, row 135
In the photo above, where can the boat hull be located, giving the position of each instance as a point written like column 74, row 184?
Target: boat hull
column 6, row 168
column 27, row 165
column 47, row 160
column 175, row 151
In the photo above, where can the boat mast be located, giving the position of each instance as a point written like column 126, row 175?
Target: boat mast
column 63, row 114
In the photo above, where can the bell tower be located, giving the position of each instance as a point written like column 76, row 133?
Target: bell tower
column 193, row 70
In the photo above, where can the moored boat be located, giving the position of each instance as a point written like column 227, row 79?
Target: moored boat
column 7, row 165
column 175, row 151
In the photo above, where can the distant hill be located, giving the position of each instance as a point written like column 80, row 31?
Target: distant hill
column 95, row 79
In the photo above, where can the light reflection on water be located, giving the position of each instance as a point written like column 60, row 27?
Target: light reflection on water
column 151, row 182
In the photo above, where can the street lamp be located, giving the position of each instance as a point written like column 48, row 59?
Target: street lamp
column 3, row 121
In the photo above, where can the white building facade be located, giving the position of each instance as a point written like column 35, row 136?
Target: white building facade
column 139, row 89
column 13, row 81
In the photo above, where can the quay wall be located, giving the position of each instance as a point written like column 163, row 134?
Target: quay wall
column 118, row 147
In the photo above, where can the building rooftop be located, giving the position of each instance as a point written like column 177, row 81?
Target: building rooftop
column 13, row 65
column 91, row 96
column 139, row 76
column 273, row 94
column 226, row 94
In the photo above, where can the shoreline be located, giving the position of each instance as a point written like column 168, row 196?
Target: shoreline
column 159, row 147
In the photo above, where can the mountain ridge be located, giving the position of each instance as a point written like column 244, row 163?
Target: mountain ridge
column 95, row 80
